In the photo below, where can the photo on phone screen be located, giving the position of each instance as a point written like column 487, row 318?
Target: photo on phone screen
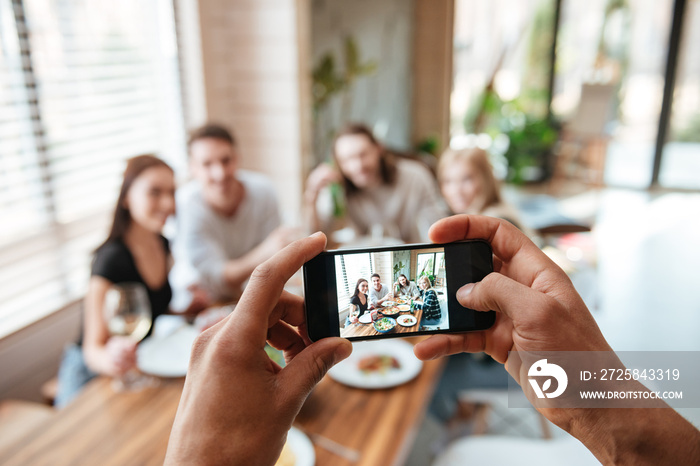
column 394, row 292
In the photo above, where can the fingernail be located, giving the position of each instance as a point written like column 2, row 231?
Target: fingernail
column 317, row 234
column 463, row 292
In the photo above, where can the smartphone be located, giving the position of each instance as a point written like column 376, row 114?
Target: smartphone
column 408, row 290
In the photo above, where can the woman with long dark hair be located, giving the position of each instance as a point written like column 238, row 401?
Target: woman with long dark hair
column 358, row 301
column 382, row 191
column 359, row 297
column 134, row 251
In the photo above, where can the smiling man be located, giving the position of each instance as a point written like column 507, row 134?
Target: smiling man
column 379, row 292
column 228, row 220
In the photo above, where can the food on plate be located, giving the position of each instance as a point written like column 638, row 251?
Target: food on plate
column 378, row 363
column 407, row 321
column 389, row 303
column 287, row 457
column 385, row 324
column 390, row 311
column 404, row 307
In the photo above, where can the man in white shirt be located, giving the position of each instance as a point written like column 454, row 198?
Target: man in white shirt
column 228, row 222
column 378, row 293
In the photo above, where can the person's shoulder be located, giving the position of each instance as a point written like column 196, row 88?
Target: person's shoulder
column 258, row 186
column 255, row 180
column 411, row 167
column 111, row 254
column 412, row 172
column 505, row 211
column 111, row 248
column 190, row 192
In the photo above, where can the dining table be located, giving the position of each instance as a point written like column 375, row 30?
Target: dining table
column 106, row 427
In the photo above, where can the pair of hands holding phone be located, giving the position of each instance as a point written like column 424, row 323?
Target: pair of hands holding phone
column 237, row 405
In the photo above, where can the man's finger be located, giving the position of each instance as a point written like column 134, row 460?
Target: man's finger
column 309, row 366
column 250, row 319
column 496, row 292
column 290, row 309
column 285, row 338
column 443, row 345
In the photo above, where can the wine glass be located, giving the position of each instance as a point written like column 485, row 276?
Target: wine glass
column 127, row 311
column 354, row 314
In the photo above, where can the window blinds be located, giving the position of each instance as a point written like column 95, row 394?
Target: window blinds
column 84, row 85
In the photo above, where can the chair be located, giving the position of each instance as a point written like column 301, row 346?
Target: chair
column 584, row 138
column 500, row 450
column 488, row 409
column 19, row 418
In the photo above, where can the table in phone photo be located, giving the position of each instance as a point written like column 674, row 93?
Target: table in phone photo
column 367, row 329
column 117, row 428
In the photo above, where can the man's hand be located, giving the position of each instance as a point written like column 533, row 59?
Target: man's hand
column 237, row 405
column 538, row 309
column 319, row 178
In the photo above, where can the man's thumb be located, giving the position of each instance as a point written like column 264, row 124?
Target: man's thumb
column 309, row 366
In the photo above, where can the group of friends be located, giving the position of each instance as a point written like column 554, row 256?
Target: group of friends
column 361, row 301
column 228, row 222
column 237, row 405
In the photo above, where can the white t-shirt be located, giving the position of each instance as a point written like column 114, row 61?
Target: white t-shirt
column 375, row 295
column 205, row 240
column 409, row 290
column 405, row 209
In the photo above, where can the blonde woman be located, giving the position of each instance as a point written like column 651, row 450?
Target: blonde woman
column 469, row 187
column 432, row 314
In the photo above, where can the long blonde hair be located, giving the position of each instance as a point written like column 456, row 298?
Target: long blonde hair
column 424, row 278
column 479, row 160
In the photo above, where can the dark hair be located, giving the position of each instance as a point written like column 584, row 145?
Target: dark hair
column 357, row 287
column 404, row 276
column 387, row 160
column 376, row 275
column 213, row 131
column 134, row 167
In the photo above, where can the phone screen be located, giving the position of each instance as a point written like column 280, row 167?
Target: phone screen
column 394, row 292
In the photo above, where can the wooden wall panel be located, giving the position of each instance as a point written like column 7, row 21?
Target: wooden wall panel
column 432, row 69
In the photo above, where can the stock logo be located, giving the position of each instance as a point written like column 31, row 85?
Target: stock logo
column 542, row 368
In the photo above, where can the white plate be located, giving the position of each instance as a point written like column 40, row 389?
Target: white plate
column 168, row 356
column 366, row 318
column 406, row 320
column 389, row 303
column 347, row 372
column 302, row 448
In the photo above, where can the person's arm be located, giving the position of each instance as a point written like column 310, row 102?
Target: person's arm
column 237, row 271
column 267, row 225
column 386, row 296
column 318, row 179
column 413, row 291
column 237, row 404
column 373, row 297
column 103, row 354
column 538, row 309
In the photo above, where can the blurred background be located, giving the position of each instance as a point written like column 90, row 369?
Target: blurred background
column 590, row 113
